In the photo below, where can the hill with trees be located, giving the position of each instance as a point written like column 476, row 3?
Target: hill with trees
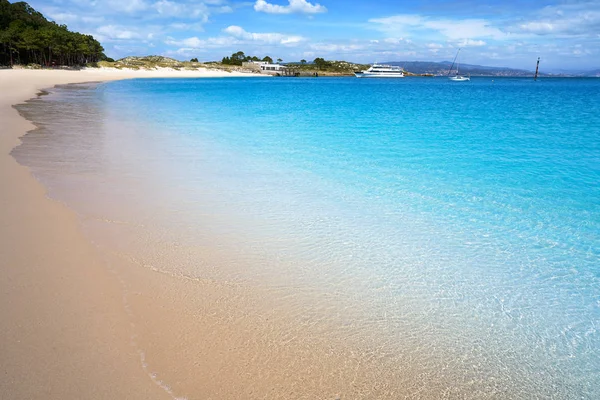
column 239, row 58
column 317, row 66
column 27, row 37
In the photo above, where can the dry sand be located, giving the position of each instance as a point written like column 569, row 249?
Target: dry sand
column 64, row 331
column 81, row 322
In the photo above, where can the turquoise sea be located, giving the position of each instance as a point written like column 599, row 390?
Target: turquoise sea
column 458, row 224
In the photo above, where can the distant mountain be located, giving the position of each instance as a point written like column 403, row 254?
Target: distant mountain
column 595, row 73
column 575, row 72
column 441, row 68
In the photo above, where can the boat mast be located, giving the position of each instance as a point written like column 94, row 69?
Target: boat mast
column 537, row 67
column 453, row 61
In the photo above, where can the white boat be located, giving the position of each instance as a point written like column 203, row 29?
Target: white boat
column 381, row 71
column 457, row 77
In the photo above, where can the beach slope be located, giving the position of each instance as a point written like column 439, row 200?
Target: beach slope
column 65, row 333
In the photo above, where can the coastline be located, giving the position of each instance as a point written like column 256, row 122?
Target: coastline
column 65, row 330
column 97, row 308
column 84, row 321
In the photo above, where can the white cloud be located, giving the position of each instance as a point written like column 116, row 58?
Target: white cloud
column 538, row 27
column 139, row 10
column 399, row 20
column 112, row 32
column 435, row 46
column 127, row 6
column 68, row 18
column 393, row 40
column 267, row 38
column 183, row 26
column 237, row 31
column 571, row 19
column 579, row 50
column 197, row 43
column 336, row 48
column 168, row 8
column 417, row 25
column 92, row 20
column 185, row 52
column 193, row 42
column 295, row 6
column 224, row 10
column 471, row 43
column 62, row 17
column 83, row 3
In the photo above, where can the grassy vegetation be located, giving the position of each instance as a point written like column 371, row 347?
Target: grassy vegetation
column 329, row 68
column 149, row 62
column 154, row 62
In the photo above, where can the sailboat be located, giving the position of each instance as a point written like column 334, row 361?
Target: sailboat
column 457, row 77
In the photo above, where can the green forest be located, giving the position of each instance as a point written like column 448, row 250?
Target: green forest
column 26, row 37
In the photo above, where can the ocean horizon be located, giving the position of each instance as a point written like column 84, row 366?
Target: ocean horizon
column 453, row 227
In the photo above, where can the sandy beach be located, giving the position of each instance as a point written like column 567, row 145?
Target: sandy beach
column 80, row 321
column 65, row 333
column 65, row 330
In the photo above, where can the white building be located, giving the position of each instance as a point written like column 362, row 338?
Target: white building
column 264, row 66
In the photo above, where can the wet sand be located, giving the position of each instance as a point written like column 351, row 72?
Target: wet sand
column 65, row 333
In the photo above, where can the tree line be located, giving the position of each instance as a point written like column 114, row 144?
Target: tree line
column 239, row 57
column 27, row 37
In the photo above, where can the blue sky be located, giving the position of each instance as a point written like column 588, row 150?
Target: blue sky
column 565, row 34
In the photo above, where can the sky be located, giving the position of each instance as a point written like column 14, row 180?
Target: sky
column 512, row 33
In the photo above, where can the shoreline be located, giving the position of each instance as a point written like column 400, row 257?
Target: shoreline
column 85, row 321
column 65, row 330
column 96, row 308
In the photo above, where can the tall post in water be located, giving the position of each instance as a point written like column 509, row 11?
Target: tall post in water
column 536, row 69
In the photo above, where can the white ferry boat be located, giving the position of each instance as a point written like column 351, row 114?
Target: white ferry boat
column 381, row 71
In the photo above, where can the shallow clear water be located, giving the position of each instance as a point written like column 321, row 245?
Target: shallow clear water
column 457, row 224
